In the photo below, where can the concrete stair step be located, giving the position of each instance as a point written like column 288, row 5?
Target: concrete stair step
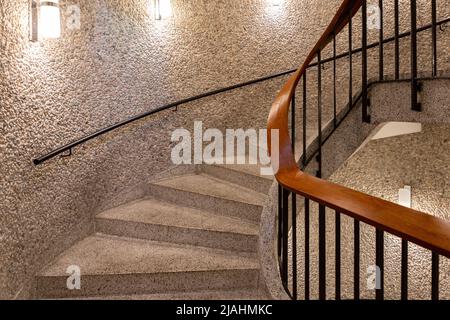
column 238, row 294
column 245, row 175
column 125, row 266
column 157, row 220
column 205, row 192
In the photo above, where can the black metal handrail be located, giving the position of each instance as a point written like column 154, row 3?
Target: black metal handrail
column 71, row 145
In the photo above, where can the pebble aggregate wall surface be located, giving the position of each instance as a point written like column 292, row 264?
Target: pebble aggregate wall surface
column 119, row 63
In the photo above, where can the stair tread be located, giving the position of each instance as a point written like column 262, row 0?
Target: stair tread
column 104, row 255
column 153, row 211
column 245, row 167
column 248, row 169
column 208, row 185
column 238, row 294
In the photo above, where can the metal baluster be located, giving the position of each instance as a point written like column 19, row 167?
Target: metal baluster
column 285, row 236
column 294, row 210
column 322, row 253
column 381, row 45
column 307, row 259
column 380, row 262
column 350, row 61
column 356, row 260
column 319, row 109
column 397, row 39
column 334, row 83
column 293, row 123
column 404, row 273
column 322, row 244
column 435, row 276
column 414, row 85
column 280, row 221
column 337, row 255
column 434, row 37
column 304, row 120
column 365, row 102
column 294, row 246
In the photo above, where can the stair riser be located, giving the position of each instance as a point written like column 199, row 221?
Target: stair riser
column 212, row 204
column 249, row 294
column 127, row 284
column 195, row 237
column 247, row 180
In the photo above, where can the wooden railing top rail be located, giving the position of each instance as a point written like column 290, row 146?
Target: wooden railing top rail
column 418, row 227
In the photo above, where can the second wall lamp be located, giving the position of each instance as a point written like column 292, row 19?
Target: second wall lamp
column 45, row 19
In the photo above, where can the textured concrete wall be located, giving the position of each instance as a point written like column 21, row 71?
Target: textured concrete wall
column 122, row 62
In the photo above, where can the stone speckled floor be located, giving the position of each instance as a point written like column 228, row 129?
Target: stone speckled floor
column 153, row 211
column 103, row 254
column 156, row 249
column 205, row 184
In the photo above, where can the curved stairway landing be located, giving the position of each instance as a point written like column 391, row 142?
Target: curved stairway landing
column 193, row 236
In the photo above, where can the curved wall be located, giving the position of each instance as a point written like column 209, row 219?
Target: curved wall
column 119, row 63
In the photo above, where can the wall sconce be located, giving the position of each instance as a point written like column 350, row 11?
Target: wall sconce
column 276, row 3
column 45, row 19
column 162, row 9
column 274, row 9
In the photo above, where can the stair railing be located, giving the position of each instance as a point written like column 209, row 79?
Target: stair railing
column 410, row 225
column 67, row 148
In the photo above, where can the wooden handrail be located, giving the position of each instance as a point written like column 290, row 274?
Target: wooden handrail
column 415, row 226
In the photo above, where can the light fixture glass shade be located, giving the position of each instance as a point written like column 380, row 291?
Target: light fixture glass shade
column 49, row 19
column 276, row 3
column 162, row 9
column 166, row 8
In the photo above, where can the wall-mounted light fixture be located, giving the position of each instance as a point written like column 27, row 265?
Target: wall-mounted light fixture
column 276, row 3
column 45, row 19
column 162, row 9
column 274, row 9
